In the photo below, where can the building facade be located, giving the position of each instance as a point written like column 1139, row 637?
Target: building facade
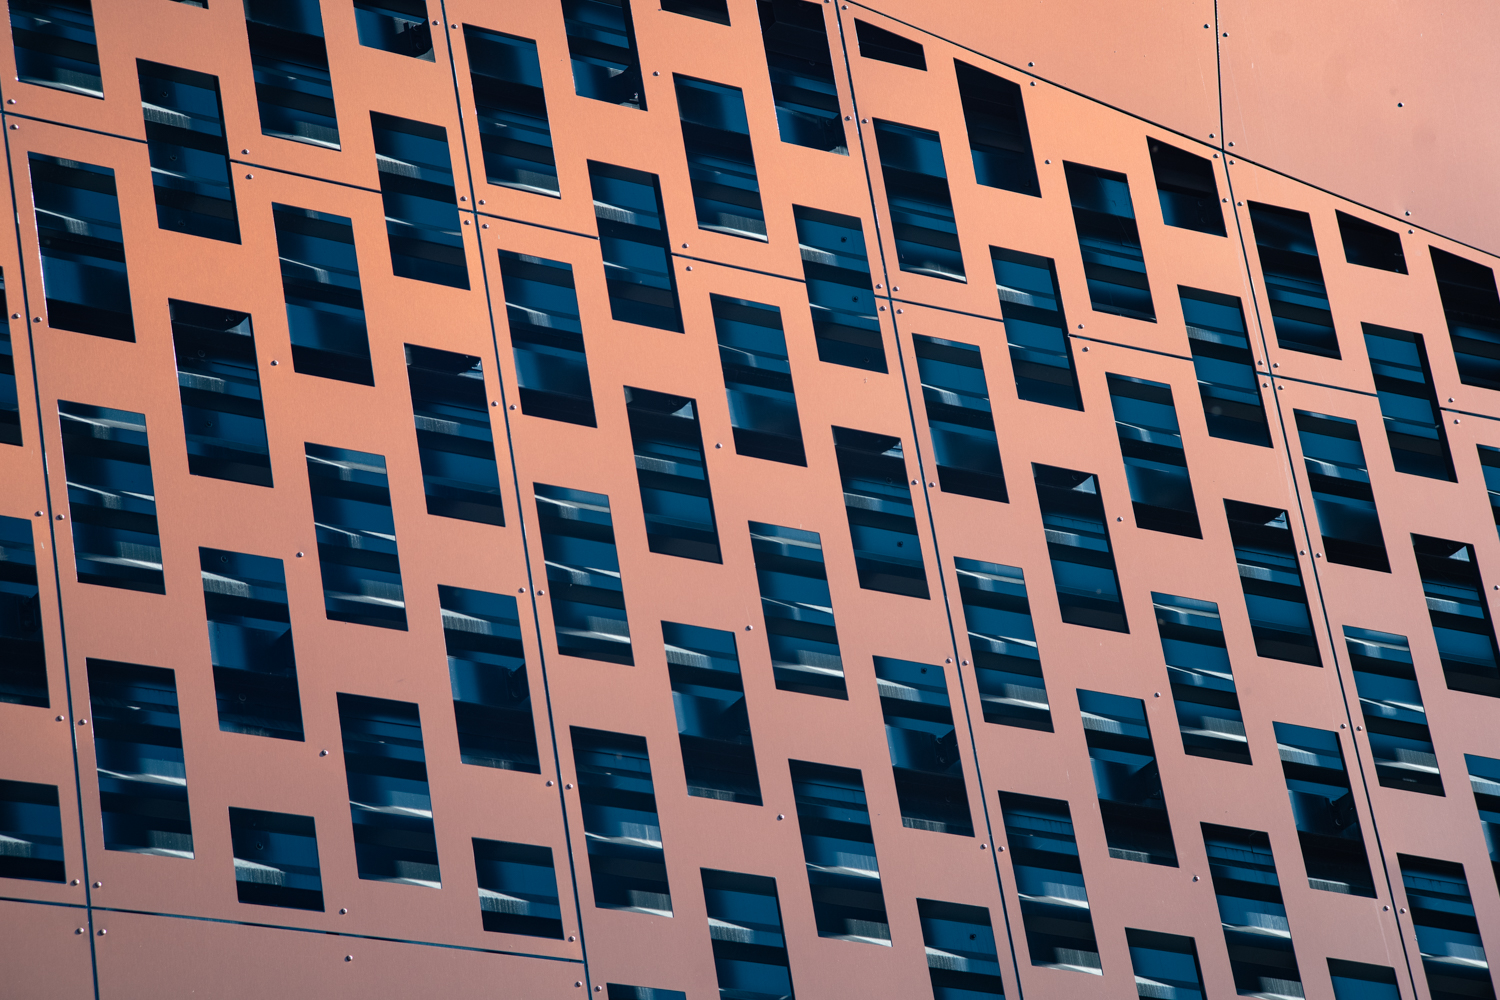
column 742, row 499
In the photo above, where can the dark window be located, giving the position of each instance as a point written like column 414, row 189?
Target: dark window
column 1271, row 577
column 618, row 800
column 454, row 441
column 798, row 610
column 1460, row 614
column 637, row 251
column 83, row 249
column 601, row 41
column 289, row 58
column 1447, row 928
column 704, row 10
column 713, row 721
column 218, row 377
column 999, row 140
column 1165, row 965
column 421, row 206
column 837, row 272
column 361, row 567
column 1007, row 666
column 510, row 106
column 189, row 157
column 1472, row 307
column 1041, row 353
column 23, row 651
column 1225, row 366
column 1489, row 464
column 1484, row 779
column 721, row 162
column 1358, row 981
column 616, row 991
column 398, row 26
column 325, row 310
column 517, row 889
column 669, row 464
column 111, row 499
column 1083, row 563
column 1049, row 879
column 583, row 570
column 961, row 957
column 56, row 46
column 389, row 801
column 1409, row 403
column 1323, row 806
column 487, row 671
column 887, row 46
column 10, row 403
column 1187, row 188
column 916, row 191
column 1341, row 491
column 758, row 381
column 1256, row 932
column 250, row 644
column 1391, row 703
column 276, row 859
column 1110, row 243
column 1161, row 490
column 802, row 80
column 1127, row 778
column 882, row 519
column 1197, row 658
column 965, row 447
column 923, row 743
column 143, row 791
column 1370, row 245
column 31, row 830
column 1294, row 280
column 546, row 338
column 843, row 873
column 744, row 923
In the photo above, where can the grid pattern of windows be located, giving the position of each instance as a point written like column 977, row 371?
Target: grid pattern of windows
column 568, row 456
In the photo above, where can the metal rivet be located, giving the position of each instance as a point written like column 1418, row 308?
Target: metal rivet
column 914, row 482
column 36, row 319
column 1385, row 908
column 862, row 121
column 1031, row 64
column 39, row 514
column 963, row 663
column 1359, row 729
column 948, row 659
column 350, row 958
column 1033, row 83
column 541, row 593
column 494, row 402
column 1401, row 910
column 466, row 222
column 932, row 485
column 62, row 718
column 98, row 885
column 436, row 22
column 1408, row 213
column 567, row 787
column 78, row 930
column 684, row 246
column 83, row 722
column 780, row 817
column 900, row 312
column 299, row 555
column 62, row 517
column 15, row 127
column 522, row 590
column 1302, row 552
column 1226, row 34
column 572, row 937
column 749, row 628
column 1400, row 105
column 1205, row 25
column 1266, row 385
column 1156, row 695
column 1001, row 848
column 1343, row 725
column 244, row 151
column 1455, row 420
column 1080, row 326
column 1317, row 555
column 74, row 882
column 984, row 847
column 484, row 225
column 249, row 177
column 1450, row 399
column 718, row 444
column 453, row 26
column 1085, row 350
column 1119, row 519
column 274, row 363
column 1195, row 878
column 655, row 73
column 690, row 267
column 322, row 753
column 1046, row 161
column 512, row 406
column 848, row 118
column 11, row 101
column 550, row 784
column 342, row 912
column 481, row 201
column 103, row 931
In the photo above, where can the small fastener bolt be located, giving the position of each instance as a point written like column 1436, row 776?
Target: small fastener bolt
column 481, row 201
column 948, row 659
column 13, row 127
column 1195, row 878
column 78, row 930
column 243, row 151
column 1455, row 420
column 1359, row 729
column 963, row 663
column 1119, row 519
column 572, row 937
column 74, row 882
column 36, row 319
column 751, row 628
column 932, row 485
column 1156, row 694
column 541, row 593
column 322, row 753
column 718, row 444
column 1317, row 555
column 494, row 402
column 1302, row 552
column 863, row 121
column 1408, row 213
column 343, row 912
column 512, row 406
column 299, row 555
column 1046, row 161
column 1001, row 848
column 62, row 718
column 914, row 482
column 655, row 73
column 1085, row 350
column 690, row 267
column 98, row 885
column 567, row 787
column 1401, row 910
column 780, row 817
column 1080, row 326
column 350, row 958
column 249, row 177
column 61, row 517
column 455, row 27
column 466, row 222
column 1400, row 105
column 11, row 101
column 274, row 363
column 684, row 246
column 521, row 590
column 1385, row 908
column 103, row 931
column 1343, row 725
column 83, row 722
column 40, row 514
column 848, row 118
column 984, row 847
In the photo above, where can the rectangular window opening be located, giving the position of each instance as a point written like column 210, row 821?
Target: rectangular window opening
column 583, row 570
column 1323, row 806
column 276, row 859
column 1041, row 352
column 1369, row 245
column 84, row 278
column 999, row 140
column 546, row 338
column 916, row 190
column 454, row 442
column 1460, row 614
column 1083, row 563
column 962, row 959
column 56, row 46
column 638, row 269
column 250, row 644
column 882, row 518
column 1471, row 305
column 1187, row 188
column 190, row 169
column 721, row 161
column 1225, row 366
column 1256, row 932
column 390, row 804
column 1271, row 577
column 23, row 650
column 1165, row 965
column 887, row 46
column 965, row 447
column 1408, row 402
column 1161, row 489
column 838, row 842
column 713, row 720
column 758, row 380
column 1391, row 703
column 357, row 554
column 111, row 499
column 325, row 309
column 1294, row 280
column 31, row 830
column 421, row 205
column 673, row 475
column 749, row 943
column 1048, row 870
column 143, row 789
column 1110, row 242
column 836, row 269
column 601, row 42
column 1447, row 927
column 398, row 26
column 802, row 79
column 289, row 58
column 923, row 743
column 1127, row 778
column 798, row 610
column 218, row 378
column 618, row 798
column 487, row 670
column 510, row 105
column 1342, row 494
column 1198, row 669
column 517, row 889
column 1002, row 639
